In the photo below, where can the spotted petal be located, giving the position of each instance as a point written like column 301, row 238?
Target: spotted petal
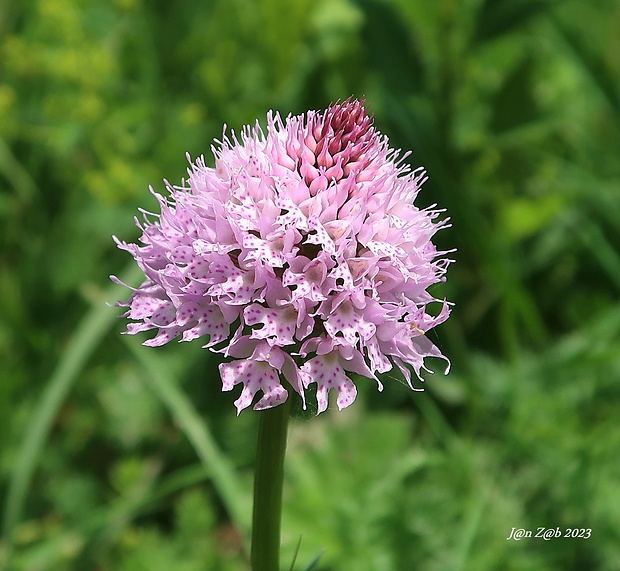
column 326, row 372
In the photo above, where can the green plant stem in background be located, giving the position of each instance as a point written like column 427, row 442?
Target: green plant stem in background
column 268, row 477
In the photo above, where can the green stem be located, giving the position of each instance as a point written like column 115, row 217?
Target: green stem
column 269, row 473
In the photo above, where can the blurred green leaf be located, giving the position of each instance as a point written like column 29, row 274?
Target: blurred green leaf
column 514, row 104
column 313, row 562
column 523, row 217
column 602, row 77
column 496, row 18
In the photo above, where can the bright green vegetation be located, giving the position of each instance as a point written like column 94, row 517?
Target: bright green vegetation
column 116, row 457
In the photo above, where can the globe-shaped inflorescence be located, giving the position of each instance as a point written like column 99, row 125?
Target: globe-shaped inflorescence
column 300, row 256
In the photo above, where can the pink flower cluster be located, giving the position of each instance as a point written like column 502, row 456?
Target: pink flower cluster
column 300, row 255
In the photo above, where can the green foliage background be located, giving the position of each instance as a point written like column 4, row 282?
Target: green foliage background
column 121, row 458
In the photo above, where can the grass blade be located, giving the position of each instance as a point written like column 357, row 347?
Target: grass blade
column 83, row 344
column 195, row 429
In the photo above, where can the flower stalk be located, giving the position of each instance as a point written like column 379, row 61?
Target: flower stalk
column 268, row 479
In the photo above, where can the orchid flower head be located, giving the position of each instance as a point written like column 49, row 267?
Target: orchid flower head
column 300, row 256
